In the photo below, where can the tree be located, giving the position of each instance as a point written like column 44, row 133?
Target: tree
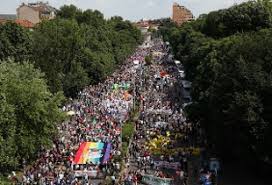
column 68, row 12
column 75, row 79
column 8, row 159
column 70, row 52
column 15, row 42
column 227, row 56
column 252, row 15
column 62, row 44
column 29, row 113
column 81, row 46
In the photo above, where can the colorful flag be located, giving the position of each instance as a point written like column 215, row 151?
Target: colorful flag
column 107, row 153
column 89, row 152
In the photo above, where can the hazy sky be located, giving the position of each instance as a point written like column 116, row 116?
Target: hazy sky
column 129, row 9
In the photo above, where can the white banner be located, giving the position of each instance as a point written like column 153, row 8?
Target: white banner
column 152, row 180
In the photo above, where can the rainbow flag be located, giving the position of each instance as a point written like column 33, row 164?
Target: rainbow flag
column 90, row 152
column 107, row 153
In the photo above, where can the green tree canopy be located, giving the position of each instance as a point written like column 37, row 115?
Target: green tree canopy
column 66, row 54
column 227, row 56
column 81, row 47
column 15, row 42
column 62, row 45
column 28, row 113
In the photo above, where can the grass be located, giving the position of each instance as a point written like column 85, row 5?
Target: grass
column 127, row 131
column 124, row 148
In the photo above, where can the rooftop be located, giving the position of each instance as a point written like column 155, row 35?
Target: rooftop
column 178, row 5
column 40, row 6
column 24, row 23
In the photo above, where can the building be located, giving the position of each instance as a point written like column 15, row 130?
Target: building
column 24, row 23
column 35, row 12
column 181, row 14
column 143, row 25
column 146, row 25
column 4, row 18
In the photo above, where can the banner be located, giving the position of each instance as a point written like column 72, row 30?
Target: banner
column 152, row 180
column 107, row 153
column 81, row 173
column 125, row 86
column 92, row 152
column 169, row 165
column 115, row 86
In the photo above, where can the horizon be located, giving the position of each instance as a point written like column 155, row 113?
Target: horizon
column 133, row 10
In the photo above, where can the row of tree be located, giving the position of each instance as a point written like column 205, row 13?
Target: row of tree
column 38, row 66
column 29, row 114
column 227, row 54
column 73, row 50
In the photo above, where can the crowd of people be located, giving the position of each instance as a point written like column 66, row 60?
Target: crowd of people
column 162, row 143
column 96, row 116
column 164, row 138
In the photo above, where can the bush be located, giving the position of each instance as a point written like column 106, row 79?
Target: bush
column 127, row 132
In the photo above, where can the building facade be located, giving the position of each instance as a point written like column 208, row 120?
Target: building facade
column 181, row 14
column 36, row 12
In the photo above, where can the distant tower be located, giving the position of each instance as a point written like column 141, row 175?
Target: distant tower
column 181, row 14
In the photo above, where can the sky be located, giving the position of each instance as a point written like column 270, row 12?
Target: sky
column 130, row 9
